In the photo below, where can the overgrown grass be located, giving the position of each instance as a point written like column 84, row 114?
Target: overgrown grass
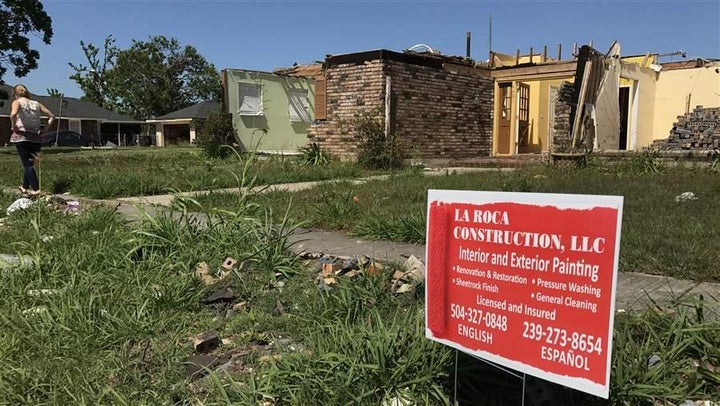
column 659, row 235
column 114, row 327
column 150, row 171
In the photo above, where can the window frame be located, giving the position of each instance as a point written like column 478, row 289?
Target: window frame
column 259, row 96
column 305, row 100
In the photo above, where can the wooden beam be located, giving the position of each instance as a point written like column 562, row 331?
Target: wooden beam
column 645, row 59
column 531, row 54
column 544, row 57
column 561, row 69
column 580, row 103
column 559, row 52
column 517, row 56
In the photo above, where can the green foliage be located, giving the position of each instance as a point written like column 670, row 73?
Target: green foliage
column 54, row 92
column 150, row 78
column 409, row 228
column 20, row 18
column 660, row 235
column 124, row 172
column 336, row 206
column 216, row 135
column 365, row 347
column 686, row 349
column 376, row 149
column 649, row 161
column 313, row 155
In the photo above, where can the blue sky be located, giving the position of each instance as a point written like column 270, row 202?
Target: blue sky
column 264, row 35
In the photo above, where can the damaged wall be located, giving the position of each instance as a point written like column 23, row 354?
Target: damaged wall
column 351, row 88
column 442, row 113
column 561, row 124
column 641, row 117
column 698, row 129
column 682, row 86
column 438, row 109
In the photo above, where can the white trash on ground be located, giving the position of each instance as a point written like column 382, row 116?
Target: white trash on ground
column 19, row 204
column 684, row 197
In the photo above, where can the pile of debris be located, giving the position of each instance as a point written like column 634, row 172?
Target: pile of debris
column 699, row 129
column 55, row 202
column 330, row 268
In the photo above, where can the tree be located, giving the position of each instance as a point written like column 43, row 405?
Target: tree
column 150, row 78
column 53, row 92
column 95, row 80
column 18, row 19
column 216, row 135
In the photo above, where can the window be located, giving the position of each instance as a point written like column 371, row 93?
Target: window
column 250, row 99
column 506, row 95
column 74, row 125
column 298, row 106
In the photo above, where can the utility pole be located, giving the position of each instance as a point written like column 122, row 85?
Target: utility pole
column 57, row 129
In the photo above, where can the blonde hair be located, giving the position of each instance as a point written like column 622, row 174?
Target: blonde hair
column 21, row 93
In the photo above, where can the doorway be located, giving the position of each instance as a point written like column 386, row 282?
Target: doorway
column 504, row 111
column 624, row 102
column 523, row 135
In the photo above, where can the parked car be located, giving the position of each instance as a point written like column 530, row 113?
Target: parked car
column 66, row 138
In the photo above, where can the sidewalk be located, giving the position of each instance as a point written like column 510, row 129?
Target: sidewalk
column 634, row 290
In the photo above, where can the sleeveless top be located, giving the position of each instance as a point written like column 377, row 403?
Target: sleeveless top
column 28, row 122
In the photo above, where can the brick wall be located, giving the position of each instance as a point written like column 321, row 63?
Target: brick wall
column 352, row 88
column 562, row 125
column 438, row 110
column 442, row 113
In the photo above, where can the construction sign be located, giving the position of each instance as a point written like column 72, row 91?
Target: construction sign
column 526, row 280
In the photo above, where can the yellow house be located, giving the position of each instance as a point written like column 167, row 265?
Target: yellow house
column 641, row 101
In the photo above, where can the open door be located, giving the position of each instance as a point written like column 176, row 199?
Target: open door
column 523, row 128
column 504, row 111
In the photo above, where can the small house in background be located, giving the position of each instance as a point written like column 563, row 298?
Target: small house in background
column 179, row 127
column 438, row 107
column 271, row 112
column 77, row 115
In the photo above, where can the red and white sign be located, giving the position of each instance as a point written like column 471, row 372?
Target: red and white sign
column 526, row 280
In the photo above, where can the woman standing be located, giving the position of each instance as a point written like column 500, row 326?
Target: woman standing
column 25, row 116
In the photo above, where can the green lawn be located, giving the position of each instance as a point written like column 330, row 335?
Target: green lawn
column 659, row 235
column 149, row 171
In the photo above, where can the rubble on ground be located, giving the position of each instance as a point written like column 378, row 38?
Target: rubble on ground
column 698, row 129
column 332, row 269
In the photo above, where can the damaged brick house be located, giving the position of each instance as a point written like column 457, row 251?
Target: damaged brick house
column 439, row 107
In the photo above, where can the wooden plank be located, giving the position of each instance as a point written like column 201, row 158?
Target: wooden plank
column 566, row 68
column 645, row 59
column 581, row 102
column 320, row 98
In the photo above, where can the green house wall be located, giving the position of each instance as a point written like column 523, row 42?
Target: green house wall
column 272, row 131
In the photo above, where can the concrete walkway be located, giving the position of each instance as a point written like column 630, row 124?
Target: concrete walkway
column 634, row 290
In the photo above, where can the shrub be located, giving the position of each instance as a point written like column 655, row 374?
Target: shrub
column 377, row 150
column 313, row 155
column 216, row 135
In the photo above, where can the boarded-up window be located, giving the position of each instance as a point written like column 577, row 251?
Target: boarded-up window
column 250, row 99
column 320, row 99
column 298, row 106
